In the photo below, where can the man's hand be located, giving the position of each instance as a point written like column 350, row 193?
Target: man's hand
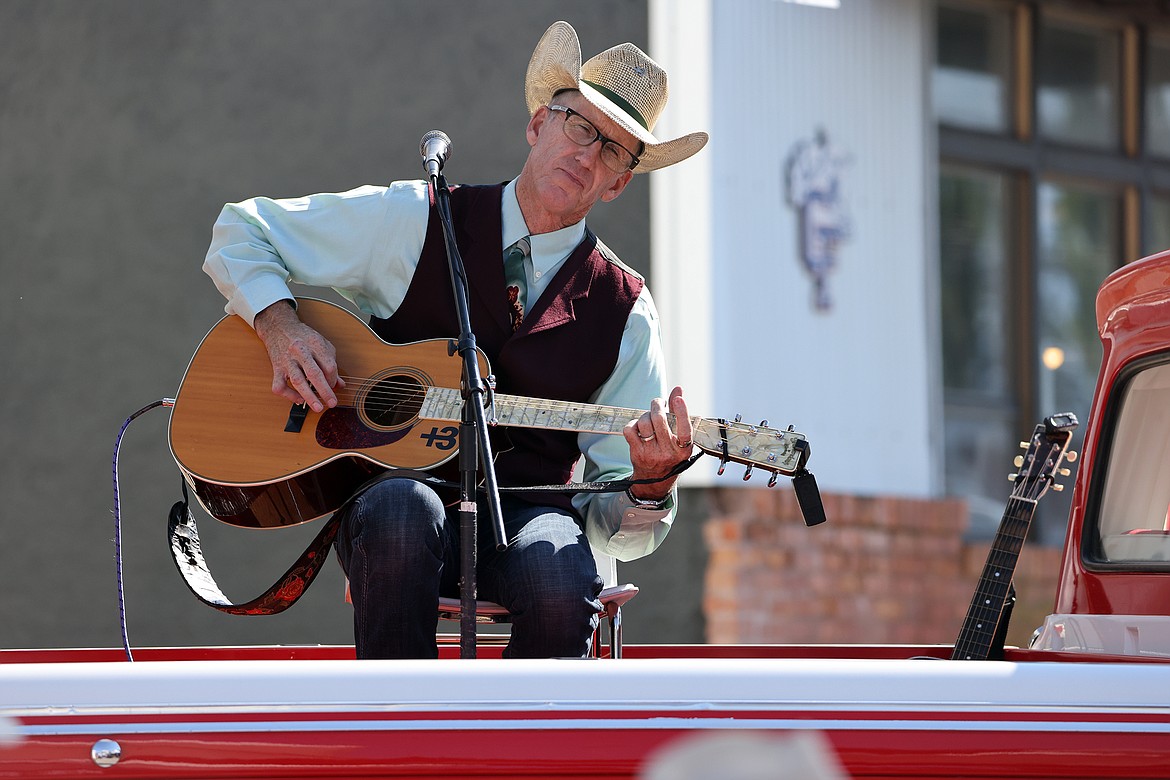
column 655, row 449
column 304, row 363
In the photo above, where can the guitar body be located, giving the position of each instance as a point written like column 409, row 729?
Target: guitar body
column 256, row 460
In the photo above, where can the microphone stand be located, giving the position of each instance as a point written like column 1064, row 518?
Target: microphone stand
column 473, row 433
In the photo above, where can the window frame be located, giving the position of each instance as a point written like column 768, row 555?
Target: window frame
column 1092, row 554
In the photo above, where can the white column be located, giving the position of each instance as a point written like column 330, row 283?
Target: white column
column 680, row 204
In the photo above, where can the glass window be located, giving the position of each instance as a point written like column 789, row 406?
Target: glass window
column 971, row 80
column 1079, row 245
column 1079, row 85
column 975, row 304
column 1158, row 98
column 1158, row 233
column 1133, row 524
column 980, row 421
column 1078, row 232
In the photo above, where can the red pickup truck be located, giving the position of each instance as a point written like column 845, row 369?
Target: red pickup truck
column 1090, row 698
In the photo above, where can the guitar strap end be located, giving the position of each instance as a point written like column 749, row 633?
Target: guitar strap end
column 187, row 553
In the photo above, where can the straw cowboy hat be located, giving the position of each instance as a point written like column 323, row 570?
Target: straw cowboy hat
column 624, row 83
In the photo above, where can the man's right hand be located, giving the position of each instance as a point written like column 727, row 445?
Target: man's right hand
column 304, row 363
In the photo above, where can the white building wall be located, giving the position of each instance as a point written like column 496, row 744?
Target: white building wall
column 855, row 378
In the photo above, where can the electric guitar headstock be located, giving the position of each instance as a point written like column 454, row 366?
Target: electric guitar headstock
column 1040, row 465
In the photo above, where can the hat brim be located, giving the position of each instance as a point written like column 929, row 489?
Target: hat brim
column 556, row 65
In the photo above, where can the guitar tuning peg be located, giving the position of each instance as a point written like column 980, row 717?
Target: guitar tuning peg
column 1063, row 472
column 738, row 418
column 1070, row 456
column 772, row 479
column 747, row 474
column 722, row 466
column 764, row 423
column 1012, row 477
column 1019, row 461
column 1058, row 487
column 1024, row 445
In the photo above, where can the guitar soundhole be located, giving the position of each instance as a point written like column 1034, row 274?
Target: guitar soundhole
column 393, row 399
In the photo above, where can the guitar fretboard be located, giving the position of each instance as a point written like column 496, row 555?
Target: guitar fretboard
column 777, row 451
column 991, row 594
column 444, row 403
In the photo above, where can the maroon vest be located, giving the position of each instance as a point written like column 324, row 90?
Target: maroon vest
column 565, row 349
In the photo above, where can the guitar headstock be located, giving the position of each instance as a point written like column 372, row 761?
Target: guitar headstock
column 779, row 452
column 1040, row 465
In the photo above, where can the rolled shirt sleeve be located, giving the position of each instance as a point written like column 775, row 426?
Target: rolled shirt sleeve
column 364, row 243
column 614, row 524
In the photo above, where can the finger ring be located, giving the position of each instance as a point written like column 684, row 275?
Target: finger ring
column 684, row 444
column 646, row 438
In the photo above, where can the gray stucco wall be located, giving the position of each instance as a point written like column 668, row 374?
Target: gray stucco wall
column 124, row 126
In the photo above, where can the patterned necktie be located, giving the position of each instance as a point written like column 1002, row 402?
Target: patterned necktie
column 515, row 280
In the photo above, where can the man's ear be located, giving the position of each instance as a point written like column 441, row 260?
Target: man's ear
column 616, row 188
column 536, row 124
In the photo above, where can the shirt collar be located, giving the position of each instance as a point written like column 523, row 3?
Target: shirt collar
column 548, row 249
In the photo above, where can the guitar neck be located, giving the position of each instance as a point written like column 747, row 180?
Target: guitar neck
column 443, row 403
column 777, row 451
column 991, row 594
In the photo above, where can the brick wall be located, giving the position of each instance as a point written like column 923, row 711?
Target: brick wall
column 882, row 570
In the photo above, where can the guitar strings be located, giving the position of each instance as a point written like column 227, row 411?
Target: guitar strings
column 382, row 395
column 397, row 392
column 386, row 394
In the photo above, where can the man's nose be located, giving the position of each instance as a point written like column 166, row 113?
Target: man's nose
column 590, row 155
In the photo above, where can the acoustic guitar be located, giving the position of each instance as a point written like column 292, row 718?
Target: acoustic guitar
column 255, row 460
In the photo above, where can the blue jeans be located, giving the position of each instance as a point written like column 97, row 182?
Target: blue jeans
column 399, row 547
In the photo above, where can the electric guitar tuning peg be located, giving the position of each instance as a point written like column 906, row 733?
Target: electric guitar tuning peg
column 1070, row 456
column 1064, row 472
column 1012, row 477
column 1019, row 461
column 738, row 418
column 1058, row 487
column 763, row 423
column 772, row 479
column 1024, row 445
column 748, row 473
column 722, row 466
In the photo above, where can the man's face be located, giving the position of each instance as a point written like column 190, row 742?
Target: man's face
column 564, row 179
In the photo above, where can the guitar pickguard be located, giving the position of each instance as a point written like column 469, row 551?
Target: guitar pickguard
column 341, row 428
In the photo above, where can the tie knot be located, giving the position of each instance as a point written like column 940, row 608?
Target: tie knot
column 523, row 247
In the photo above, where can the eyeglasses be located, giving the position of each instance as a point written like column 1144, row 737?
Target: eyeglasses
column 581, row 131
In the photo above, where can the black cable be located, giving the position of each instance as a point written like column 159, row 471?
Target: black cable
column 118, row 521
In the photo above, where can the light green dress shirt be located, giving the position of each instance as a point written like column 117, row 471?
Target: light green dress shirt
column 366, row 243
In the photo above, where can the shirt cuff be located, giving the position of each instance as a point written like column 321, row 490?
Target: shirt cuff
column 257, row 295
column 639, row 530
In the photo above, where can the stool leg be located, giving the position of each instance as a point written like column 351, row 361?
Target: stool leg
column 614, row 613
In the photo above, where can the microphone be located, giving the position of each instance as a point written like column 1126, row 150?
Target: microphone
column 435, row 149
